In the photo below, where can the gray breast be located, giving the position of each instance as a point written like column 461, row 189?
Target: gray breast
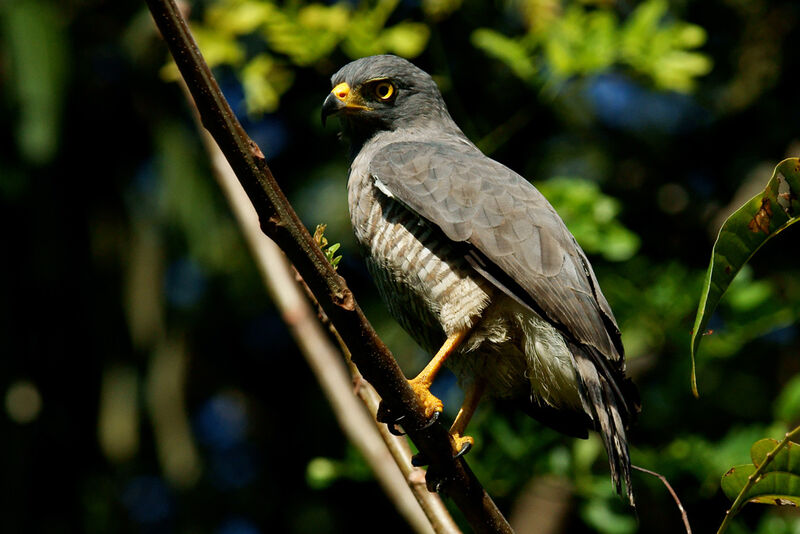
column 432, row 292
column 424, row 280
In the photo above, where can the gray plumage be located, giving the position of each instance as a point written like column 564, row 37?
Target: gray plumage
column 456, row 240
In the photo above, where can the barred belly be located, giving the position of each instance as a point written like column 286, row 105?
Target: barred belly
column 431, row 290
column 427, row 285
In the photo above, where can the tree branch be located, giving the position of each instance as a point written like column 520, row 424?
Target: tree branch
column 279, row 221
column 323, row 357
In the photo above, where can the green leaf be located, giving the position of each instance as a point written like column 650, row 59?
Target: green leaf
column 322, row 472
column 329, row 251
column 772, row 478
column 439, row 9
column 778, row 488
column 786, row 459
column 579, row 40
column 238, row 17
column 264, row 81
column 735, row 479
column 219, row 48
column 407, row 39
column 591, row 216
column 756, row 222
column 307, row 35
column 509, row 51
column 653, row 44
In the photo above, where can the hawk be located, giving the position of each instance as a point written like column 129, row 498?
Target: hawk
column 476, row 265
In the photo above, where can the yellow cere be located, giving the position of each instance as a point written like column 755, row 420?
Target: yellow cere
column 341, row 91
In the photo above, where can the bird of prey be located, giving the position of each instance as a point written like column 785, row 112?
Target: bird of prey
column 476, row 265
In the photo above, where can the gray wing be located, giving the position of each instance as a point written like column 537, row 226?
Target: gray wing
column 517, row 239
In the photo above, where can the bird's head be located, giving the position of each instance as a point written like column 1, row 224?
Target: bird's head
column 386, row 92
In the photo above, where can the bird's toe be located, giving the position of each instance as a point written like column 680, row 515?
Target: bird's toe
column 391, row 418
column 462, row 445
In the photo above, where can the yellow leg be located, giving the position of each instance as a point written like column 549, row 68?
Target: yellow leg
column 471, row 399
column 421, row 384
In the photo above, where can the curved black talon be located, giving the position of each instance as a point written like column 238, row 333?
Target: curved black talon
column 433, row 419
column 465, row 448
column 420, row 460
column 434, row 480
column 392, row 427
column 385, row 415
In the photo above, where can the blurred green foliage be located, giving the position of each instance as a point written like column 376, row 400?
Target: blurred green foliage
column 592, row 217
column 573, row 39
column 297, row 35
column 118, row 247
column 35, row 39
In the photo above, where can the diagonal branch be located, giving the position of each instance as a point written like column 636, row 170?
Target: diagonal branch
column 280, row 222
column 424, row 511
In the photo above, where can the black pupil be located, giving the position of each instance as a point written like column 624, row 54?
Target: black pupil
column 383, row 90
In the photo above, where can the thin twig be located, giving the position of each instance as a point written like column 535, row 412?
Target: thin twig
column 678, row 502
column 754, row 477
column 279, row 221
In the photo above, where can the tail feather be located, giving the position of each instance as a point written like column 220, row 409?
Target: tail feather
column 610, row 411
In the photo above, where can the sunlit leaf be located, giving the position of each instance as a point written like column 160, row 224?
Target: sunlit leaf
column 508, row 50
column 264, row 82
column 773, row 477
column 307, row 35
column 439, row 9
column 786, row 459
column 239, row 17
column 330, row 251
column 362, row 37
column 777, row 487
column 407, row 39
column 661, row 49
column 218, row 47
column 742, row 234
column 591, row 216
column 579, row 40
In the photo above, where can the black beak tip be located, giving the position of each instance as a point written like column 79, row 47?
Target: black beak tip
column 329, row 107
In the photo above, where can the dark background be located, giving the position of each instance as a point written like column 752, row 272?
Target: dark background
column 149, row 384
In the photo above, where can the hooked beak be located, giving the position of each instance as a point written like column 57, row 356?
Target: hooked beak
column 341, row 98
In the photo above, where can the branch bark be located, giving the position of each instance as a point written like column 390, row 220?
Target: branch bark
column 387, row 455
column 279, row 221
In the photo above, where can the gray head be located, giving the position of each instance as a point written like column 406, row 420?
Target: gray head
column 386, row 92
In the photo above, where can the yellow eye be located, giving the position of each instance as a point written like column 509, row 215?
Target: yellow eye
column 384, row 90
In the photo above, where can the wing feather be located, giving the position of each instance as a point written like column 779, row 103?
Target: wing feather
column 516, row 238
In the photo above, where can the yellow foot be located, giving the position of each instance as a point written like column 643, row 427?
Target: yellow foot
column 461, row 444
column 431, row 403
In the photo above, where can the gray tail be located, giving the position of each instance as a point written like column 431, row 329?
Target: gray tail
column 612, row 402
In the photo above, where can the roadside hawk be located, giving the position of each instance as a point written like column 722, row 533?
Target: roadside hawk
column 476, row 265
